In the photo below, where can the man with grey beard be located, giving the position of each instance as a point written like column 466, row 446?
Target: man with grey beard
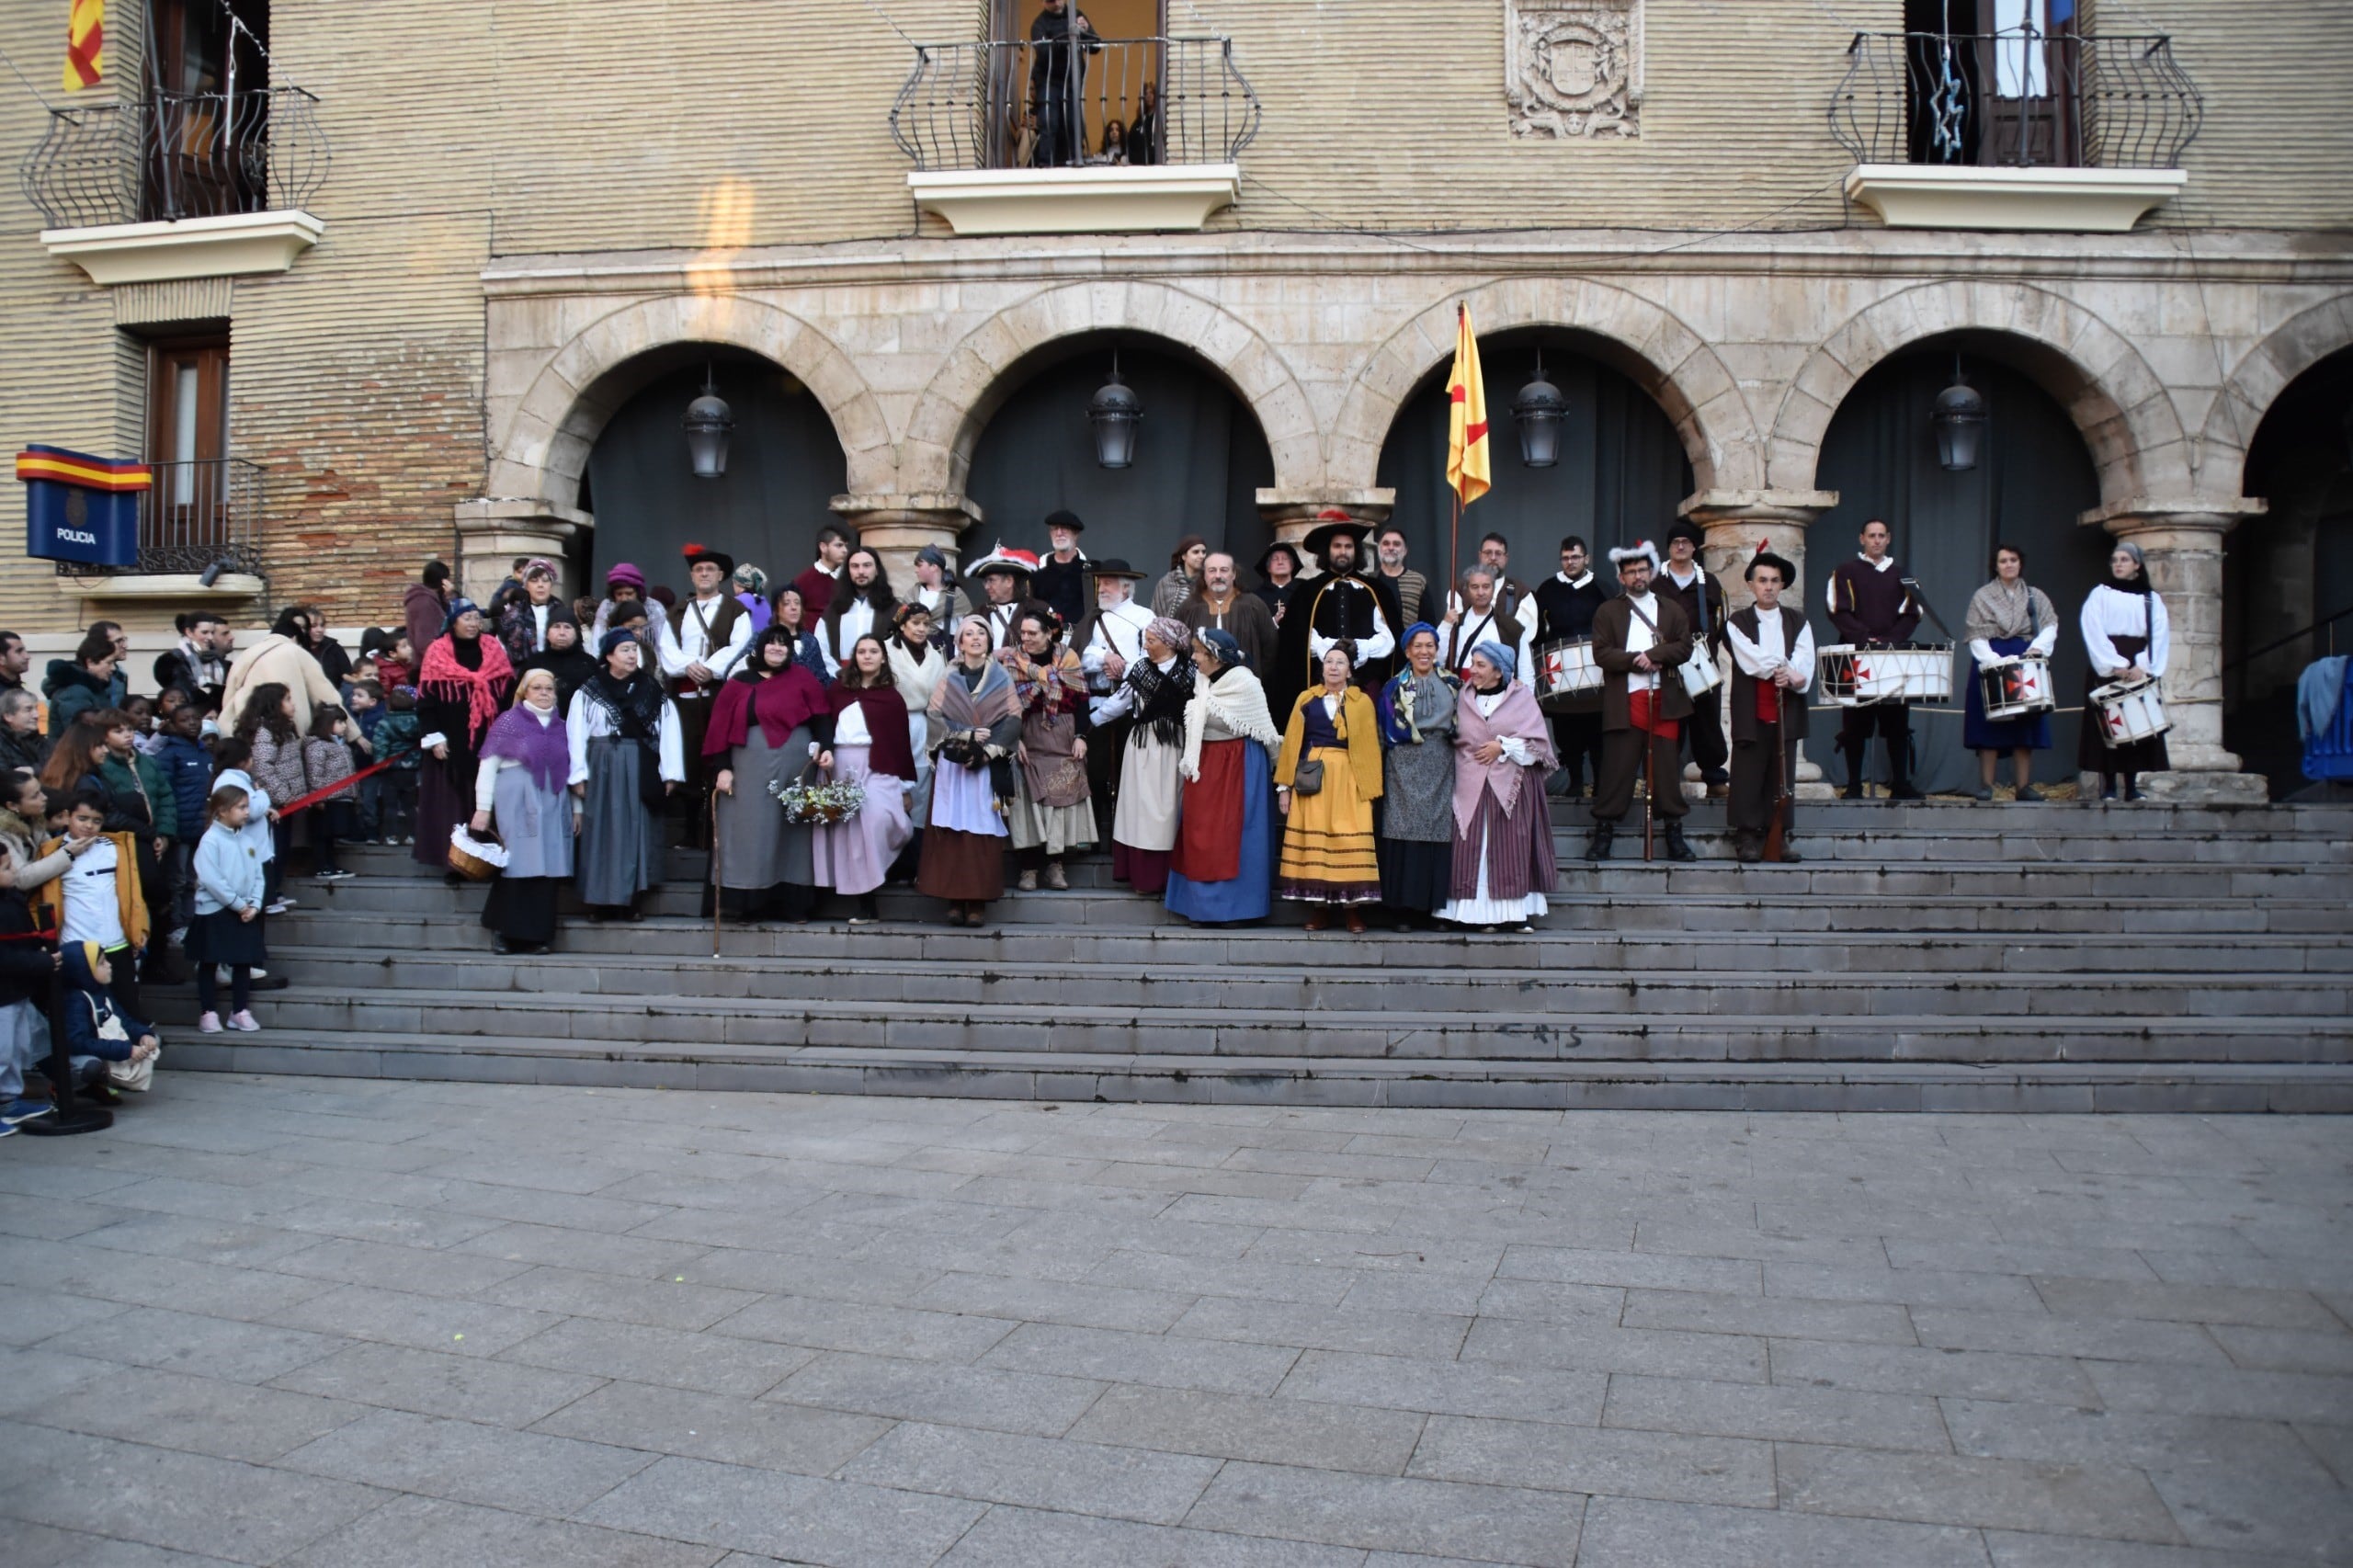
column 1407, row 583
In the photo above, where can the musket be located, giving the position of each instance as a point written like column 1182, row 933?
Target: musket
column 718, row 893
column 1776, row 831
column 1649, row 772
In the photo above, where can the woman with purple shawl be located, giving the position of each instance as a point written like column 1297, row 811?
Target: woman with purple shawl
column 1503, row 837
column 525, row 758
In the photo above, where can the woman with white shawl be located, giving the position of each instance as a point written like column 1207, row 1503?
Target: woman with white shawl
column 1503, row 837
column 1224, row 862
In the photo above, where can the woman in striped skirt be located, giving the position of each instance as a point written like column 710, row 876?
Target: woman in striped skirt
column 1328, row 856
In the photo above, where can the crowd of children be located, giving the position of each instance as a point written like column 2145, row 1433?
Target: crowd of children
column 131, row 825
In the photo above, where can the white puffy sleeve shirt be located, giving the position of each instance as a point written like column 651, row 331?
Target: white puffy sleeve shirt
column 2110, row 613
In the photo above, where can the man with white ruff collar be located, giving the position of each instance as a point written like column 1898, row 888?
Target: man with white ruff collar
column 1639, row 638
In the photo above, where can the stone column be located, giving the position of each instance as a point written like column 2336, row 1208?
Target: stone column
column 2182, row 541
column 1736, row 523
column 895, row 526
column 493, row 531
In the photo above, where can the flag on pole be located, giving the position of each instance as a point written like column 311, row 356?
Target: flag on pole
column 85, row 43
column 1466, row 422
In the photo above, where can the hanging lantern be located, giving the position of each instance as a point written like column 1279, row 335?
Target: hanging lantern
column 1115, row 412
column 710, row 422
column 1541, row 411
column 1960, row 421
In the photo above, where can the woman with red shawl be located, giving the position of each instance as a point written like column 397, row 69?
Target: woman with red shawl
column 768, row 725
column 463, row 685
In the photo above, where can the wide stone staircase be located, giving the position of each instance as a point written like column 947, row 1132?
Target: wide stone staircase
column 1938, row 957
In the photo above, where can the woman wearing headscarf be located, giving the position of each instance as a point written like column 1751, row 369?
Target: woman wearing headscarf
column 461, row 685
column 917, row 669
column 1503, row 834
column 1184, row 571
column 521, row 791
column 1325, row 783
column 563, row 658
column 626, row 758
column 1054, row 813
column 792, row 613
column 975, row 724
column 2006, row 618
column 752, row 593
column 1416, row 710
column 935, row 590
column 869, row 749
column 2125, row 630
column 1153, row 693
column 623, row 585
column 770, row 724
column 1224, row 863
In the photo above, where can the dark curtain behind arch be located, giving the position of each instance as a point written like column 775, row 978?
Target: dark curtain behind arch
column 1199, row 463
column 784, row 466
column 1620, row 477
column 2032, row 479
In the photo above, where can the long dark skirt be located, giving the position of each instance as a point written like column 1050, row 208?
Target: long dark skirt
column 445, row 797
column 1415, row 876
column 1980, row 733
column 522, row 909
column 962, row 868
column 2093, row 754
column 222, row 938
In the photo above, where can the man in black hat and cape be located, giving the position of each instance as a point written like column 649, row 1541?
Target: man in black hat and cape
column 1340, row 606
column 1061, row 578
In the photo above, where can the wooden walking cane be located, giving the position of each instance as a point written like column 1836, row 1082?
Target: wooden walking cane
column 1776, row 831
column 718, row 895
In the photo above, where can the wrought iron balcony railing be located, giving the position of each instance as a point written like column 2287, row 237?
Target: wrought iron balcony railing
column 173, row 156
column 2020, row 97
column 193, row 515
column 1056, row 103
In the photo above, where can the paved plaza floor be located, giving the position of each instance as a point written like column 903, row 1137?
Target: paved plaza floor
column 430, row 1325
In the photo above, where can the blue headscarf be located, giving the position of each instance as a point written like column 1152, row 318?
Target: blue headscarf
column 458, row 606
column 1500, row 656
column 1416, row 630
column 1229, row 652
column 613, row 640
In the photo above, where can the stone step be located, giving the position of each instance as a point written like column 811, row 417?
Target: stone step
column 1757, row 1015
column 1721, row 881
column 2201, row 1087
column 880, row 962
column 1870, row 917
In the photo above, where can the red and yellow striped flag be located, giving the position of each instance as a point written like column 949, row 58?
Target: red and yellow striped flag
column 1466, row 420
column 86, row 45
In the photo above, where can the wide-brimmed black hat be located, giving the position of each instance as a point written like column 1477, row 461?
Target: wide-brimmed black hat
column 1112, row 566
column 698, row 553
column 1064, row 519
column 1290, row 550
column 1333, row 526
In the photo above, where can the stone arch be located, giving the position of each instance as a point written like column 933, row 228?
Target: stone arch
column 2263, row 372
column 1649, row 344
column 2125, row 413
column 972, row 384
column 540, row 447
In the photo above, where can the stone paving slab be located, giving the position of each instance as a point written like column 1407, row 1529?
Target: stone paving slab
column 371, row 1324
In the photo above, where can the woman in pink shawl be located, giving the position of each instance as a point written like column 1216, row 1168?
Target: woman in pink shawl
column 1503, row 837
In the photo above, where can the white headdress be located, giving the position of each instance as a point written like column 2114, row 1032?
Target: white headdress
column 1641, row 550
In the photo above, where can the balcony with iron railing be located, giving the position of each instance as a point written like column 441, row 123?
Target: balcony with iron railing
column 180, row 185
column 1062, row 136
column 193, row 515
column 2020, row 129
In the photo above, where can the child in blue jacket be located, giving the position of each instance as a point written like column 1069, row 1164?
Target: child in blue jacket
column 104, row 1040
column 231, row 890
column 186, row 768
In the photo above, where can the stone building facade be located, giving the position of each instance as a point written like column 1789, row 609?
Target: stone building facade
column 529, row 200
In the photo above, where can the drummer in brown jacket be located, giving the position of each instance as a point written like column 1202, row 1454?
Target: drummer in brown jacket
column 1639, row 638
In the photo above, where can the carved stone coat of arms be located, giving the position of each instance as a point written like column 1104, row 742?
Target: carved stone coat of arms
column 1573, row 67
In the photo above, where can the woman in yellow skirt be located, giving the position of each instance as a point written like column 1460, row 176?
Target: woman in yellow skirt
column 1328, row 855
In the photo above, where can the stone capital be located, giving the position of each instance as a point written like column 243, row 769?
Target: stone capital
column 1291, row 513
column 896, row 526
column 1792, row 509
column 2141, row 517
column 493, row 529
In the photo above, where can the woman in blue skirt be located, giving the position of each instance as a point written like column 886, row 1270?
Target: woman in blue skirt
column 2006, row 619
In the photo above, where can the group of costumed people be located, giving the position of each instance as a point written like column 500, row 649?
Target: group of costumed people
column 1232, row 745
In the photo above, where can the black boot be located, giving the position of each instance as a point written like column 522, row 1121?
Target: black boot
column 1677, row 847
column 1855, row 755
column 1598, row 847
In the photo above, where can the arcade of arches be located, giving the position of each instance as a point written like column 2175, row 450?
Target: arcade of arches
column 972, row 437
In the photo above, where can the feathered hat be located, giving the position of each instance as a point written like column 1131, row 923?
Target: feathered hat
column 1764, row 557
column 1641, row 550
column 1023, row 563
column 696, row 554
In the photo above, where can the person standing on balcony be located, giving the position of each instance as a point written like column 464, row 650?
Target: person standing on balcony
column 1143, row 131
column 1059, row 41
